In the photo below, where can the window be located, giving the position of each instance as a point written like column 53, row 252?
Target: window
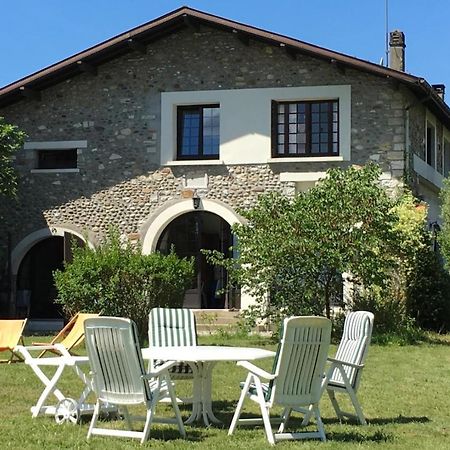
column 57, row 159
column 54, row 156
column 309, row 128
column 446, row 158
column 430, row 144
column 198, row 132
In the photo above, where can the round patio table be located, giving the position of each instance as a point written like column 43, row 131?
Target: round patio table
column 204, row 357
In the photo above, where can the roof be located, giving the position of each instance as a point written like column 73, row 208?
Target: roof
column 137, row 38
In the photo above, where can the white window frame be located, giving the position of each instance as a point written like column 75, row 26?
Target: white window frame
column 246, row 122
column 430, row 119
column 35, row 146
column 445, row 137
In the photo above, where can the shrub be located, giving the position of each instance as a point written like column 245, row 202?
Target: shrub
column 116, row 279
column 294, row 252
column 428, row 293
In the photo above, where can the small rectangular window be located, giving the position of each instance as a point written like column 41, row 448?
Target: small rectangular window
column 309, row 128
column 57, row 159
column 198, row 132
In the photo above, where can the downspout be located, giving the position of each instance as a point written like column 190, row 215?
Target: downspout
column 408, row 153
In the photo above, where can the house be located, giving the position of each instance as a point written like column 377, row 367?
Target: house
column 167, row 129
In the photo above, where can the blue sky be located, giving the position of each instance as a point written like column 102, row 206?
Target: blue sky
column 37, row 33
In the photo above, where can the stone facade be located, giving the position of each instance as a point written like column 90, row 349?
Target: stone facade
column 118, row 112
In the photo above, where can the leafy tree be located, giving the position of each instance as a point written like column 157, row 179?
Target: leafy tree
column 444, row 235
column 295, row 253
column 11, row 139
column 118, row 280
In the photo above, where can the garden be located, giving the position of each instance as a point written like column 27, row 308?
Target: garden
column 346, row 244
column 404, row 395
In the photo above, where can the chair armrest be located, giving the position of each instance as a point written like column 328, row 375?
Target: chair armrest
column 256, row 370
column 158, row 370
column 344, row 363
column 25, row 350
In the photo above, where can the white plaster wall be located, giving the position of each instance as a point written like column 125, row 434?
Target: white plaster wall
column 245, row 121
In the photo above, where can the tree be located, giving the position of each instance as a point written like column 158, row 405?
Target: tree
column 11, row 139
column 444, row 235
column 293, row 254
column 116, row 279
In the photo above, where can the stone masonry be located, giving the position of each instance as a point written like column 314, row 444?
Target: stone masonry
column 120, row 181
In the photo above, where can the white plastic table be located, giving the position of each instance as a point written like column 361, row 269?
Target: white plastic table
column 67, row 409
column 205, row 357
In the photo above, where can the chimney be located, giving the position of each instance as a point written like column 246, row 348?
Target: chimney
column 397, row 50
column 439, row 89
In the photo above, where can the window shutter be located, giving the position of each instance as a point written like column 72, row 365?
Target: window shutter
column 273, row 128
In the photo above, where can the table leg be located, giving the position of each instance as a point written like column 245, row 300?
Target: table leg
column 202, row 403
column 208, row 414
column 50, row 387
column 197, row 389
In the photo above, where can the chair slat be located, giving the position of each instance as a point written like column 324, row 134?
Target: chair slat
column 119, row 374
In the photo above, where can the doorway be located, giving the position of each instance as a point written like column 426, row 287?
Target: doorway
column 187, row 235
column 35, row 288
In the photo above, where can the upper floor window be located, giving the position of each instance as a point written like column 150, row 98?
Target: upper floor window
column 57, row 159
column 198, row 132
column 306, row 128
column 430, row 151
column 446, row 158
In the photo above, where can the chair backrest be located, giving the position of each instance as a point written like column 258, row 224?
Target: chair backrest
column 11, row 332
column 300, row 361
column 354, row 346
column 73, row 333
column 169, row 327
column 116, row 362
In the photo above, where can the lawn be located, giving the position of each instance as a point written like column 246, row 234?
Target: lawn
column 405, row 394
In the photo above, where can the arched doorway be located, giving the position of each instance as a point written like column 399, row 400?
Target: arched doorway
column 187, row 234
column 35, row 289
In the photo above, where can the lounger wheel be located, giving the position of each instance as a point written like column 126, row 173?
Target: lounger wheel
column 67, row 411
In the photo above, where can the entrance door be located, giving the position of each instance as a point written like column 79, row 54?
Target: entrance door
column 35, row 289
column 187, row 235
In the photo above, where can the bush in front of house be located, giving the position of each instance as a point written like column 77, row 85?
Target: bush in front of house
column 293, row 253
column 116, row 279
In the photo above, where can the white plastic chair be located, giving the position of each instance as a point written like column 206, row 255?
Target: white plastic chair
column 344, row 374
column 346, row 367
column 119, row 376
column 168, row 327
column 295, row 381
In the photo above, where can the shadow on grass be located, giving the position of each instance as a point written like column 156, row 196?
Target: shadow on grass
column 356, row 436
column 171, row 433
column 398, row 420
column 225, row 409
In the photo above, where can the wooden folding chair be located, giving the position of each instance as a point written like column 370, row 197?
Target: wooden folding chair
column 10, row 336
column 70, row 336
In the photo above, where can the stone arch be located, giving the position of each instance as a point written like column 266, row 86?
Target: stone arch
column 22, row 248
column 157, row 223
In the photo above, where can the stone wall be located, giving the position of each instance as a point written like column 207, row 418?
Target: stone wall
column 118, row 113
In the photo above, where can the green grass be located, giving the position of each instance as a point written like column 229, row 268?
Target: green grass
column 405, row 394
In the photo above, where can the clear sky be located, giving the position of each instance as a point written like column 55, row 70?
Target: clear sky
column 37, row 33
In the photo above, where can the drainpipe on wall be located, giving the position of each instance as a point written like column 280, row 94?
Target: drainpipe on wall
column 408, row 153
